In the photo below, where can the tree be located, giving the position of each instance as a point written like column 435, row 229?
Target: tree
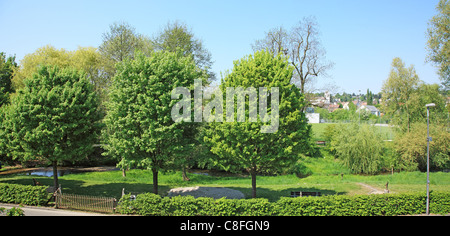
column 53, row 117
column 302, row 45
column 360, row 147
column 139, row 125
column 177, row 37
column 120, row 43
column 438, row 41
column 84, row 58
column 397, row 92
column 7, row 65
column 411, row 147
column 242, row 145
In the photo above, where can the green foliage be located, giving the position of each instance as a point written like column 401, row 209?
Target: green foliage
column 241, row 144
column 334, row 205
column 397, row 92
column 438, row 41
column 411, row 147
column 360, row 147
column 23, row 194
column 139, row 125
column 53, row 117
column 15, row 211
column 7, row 65
column 176, row 37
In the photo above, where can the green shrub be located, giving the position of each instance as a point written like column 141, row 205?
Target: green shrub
column 343, row 205
column 23, row 194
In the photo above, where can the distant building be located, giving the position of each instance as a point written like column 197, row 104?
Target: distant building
column 371, row 109
column 313, row 118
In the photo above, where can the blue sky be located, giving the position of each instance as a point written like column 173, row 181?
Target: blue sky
column 361, row 37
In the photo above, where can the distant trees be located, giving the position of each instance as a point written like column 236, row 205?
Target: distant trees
column 302, row 45
column 176, row 37
column 397, row 92
column 405, row 97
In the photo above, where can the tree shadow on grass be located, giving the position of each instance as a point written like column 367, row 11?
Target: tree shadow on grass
column 115, row 189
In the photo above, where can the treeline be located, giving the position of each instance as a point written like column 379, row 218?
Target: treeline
column 62, row 104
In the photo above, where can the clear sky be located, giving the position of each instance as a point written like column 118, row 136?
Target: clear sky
column 360, row 36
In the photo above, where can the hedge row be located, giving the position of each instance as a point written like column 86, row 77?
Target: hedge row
column 23, row 194
column 360, row 205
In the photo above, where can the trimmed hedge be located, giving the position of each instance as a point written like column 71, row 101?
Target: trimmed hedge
column 23, row 194
column 359, row 205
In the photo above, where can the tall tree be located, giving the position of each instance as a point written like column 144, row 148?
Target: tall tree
column 139, row 110
column 120, row 43
column 438, row 41
column 398, row 91
column 243, row 144
column 54, row 117
column 302, row 45
column 177, row 37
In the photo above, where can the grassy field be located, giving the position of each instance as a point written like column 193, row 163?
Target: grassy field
column 271, row 187
column 329, row 176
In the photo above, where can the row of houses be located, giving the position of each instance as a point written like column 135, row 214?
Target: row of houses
column 326, row 103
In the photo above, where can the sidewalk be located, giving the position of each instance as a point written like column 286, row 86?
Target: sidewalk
column 47, row 211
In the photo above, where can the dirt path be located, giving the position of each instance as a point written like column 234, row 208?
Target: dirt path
column 372, row 190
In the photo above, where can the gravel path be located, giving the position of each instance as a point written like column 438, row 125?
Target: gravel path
column 372, row 189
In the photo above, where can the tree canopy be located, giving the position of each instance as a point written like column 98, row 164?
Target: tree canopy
column 242, row 144
column 54, row 116
column 139, row 125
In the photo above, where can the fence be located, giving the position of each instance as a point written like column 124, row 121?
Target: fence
column 88, row 203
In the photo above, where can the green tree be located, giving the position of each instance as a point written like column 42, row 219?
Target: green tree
column 84, row 58
column 242, row 145
column 53, row 117
column 139, row 125
column 120, row 43
column 397, row 92
column 411, row 147
column 438, row 41
column 360, row 147
column 7, row 66
column 177, row 37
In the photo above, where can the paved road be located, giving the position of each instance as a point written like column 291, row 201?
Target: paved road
column 47, row 211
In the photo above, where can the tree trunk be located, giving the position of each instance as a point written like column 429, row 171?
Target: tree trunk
column 185, row 178
column 55, row 174
column 253, row 174
column 155, row 180
column 124, row 172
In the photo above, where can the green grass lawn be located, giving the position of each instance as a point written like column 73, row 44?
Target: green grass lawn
column 329, row 176
column 271, row 187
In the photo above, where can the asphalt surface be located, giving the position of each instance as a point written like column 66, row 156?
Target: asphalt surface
column 47, row 211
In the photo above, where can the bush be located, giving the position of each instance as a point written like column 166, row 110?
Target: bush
column 23, row 194
column 360, row 147
column 343, row 205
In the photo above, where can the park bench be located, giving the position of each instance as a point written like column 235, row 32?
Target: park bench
column 321, row 143
column 306, row 194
